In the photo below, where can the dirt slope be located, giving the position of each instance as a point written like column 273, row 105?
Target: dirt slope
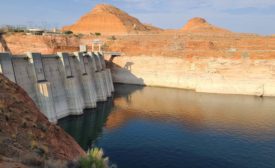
column 27, row 139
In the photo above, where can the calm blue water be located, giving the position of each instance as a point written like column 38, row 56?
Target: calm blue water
column 147, row 127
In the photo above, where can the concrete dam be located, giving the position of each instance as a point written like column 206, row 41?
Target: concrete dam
column 62, row 84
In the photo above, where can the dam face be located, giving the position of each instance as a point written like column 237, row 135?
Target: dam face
column 62, row 84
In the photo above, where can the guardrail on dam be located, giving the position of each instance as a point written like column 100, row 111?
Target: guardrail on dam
column 62, row 84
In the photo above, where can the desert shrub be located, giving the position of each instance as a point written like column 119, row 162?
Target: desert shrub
column 97, row 34
column 104, row 47
column 95, row 159
column 31, row 160
column 112, row 38
column 57, row 164
column 34, row 144
column 7, row 117
column 40, row 151
column 68, row 32
column 18, row 30
column 12, row 29
column 24, row 124
column 80, row 35
column 42, row 127
column 72, row 164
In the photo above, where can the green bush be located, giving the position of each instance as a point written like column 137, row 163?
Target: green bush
column 97, row 34
column 95, row 159
column 68, row 32
column 18, row 30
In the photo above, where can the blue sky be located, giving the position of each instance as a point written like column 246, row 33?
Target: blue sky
column 252, row 16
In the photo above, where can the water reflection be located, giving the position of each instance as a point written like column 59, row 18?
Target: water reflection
column 87, row 127
column 243, row 115
column 161, row 127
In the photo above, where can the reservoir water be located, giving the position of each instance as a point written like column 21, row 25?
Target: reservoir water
column 149, row 127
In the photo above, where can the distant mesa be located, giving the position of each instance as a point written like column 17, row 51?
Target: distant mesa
column 107, row 19
column 198, row 24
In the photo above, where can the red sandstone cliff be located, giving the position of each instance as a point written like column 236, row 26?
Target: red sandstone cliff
column 27, row 139
column 107, row 19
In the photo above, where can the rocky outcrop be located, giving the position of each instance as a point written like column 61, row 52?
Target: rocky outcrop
column 19, row 43
column 107, row 19
column 27, row 138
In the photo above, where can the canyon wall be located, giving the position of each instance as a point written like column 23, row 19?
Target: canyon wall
column 60, row 84
column 226, row 75
column 206, row 61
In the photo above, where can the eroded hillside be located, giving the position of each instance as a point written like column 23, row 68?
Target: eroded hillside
column 27, row 138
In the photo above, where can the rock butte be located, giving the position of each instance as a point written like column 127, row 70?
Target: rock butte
column 201, row 25
column 107, row 19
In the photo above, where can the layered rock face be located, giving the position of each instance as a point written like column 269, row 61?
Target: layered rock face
column 107, row 19
column 27, row 138
column 202, row 74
